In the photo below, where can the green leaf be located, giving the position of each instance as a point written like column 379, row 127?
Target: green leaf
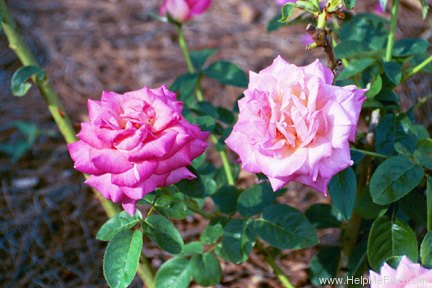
column 226, row 199
column 429, row 203
column 366, row 208
column 185, row 86
column 357, row 260
column 193, row 248
column 351, row 48
column 199, row 57
column 209, row 184
column 161, row 231
column 227, row 73
column 413, row 205
column 238, row 241
column 211, row 234
column 426, row 250
column 389, row 239
column 425, row 8
column 343, row 190
column 350, row 4
column 409, row 46
column 393, row 71
column 384, row 136
column 206, row 269
column 374, row 87
column 355, row 67
column 253, row 200
column 367, row 28
column 175, row 272
column 324, row 265
column 393, row 179
column 192, row 188
column 226, row 115
column 323, row 216
column 120, row 222
column 284, row 227
column 172, row 206
column 286, row 11
column 274, row 23
column 206, row 123
column 423, row 153
column 121, row 257
column 19, row 85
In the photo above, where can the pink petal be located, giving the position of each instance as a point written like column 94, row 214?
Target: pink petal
column 110, row 161
column 80, row 154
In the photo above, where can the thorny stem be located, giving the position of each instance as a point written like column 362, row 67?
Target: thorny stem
column 200, row 98
column 21, row 49
column 283, row 278
column 391, row 37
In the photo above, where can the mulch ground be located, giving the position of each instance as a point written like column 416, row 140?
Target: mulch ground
column 48, row 218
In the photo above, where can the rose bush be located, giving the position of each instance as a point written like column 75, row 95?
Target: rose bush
column 294, row 125
column 135, row 142
column 406, row 275
column 183, row 10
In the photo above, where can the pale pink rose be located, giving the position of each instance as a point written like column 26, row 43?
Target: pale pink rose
column 294, row 125
column 183, row 10
column 406, row 275
column 283, row 2
column 134, row 143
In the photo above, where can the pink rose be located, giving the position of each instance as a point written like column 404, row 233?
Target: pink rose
column 294, row 125
column 134, row 143
column 183, row 10
column 406, row 275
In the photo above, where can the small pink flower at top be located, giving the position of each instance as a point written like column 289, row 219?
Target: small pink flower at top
column 294, row 125
column 283, row 2
column 406, row 275
column 379, row 9
column 134, row 143
column 184, row 10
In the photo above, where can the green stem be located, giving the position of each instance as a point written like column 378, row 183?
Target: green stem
column 184, row 49
column 200, row 98
column 225, row 162
column 418, row 68
column 369, row 153
column 145, row 271
column 280, row 274
column 21, row 49
column 391, row 37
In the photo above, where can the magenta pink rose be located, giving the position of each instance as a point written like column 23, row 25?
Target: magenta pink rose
column 294, row 125
column 406, row 275
column 134, row 143
column 183, row 10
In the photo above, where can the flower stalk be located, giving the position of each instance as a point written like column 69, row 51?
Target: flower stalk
column 61, row 118
column 200, row 98
column 391, row 37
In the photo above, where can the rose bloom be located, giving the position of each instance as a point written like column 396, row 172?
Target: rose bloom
column 134, row 143
column 406, row 275
column 294, row 125
column 183, row 10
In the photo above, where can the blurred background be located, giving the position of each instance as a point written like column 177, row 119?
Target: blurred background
column 48, row 218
